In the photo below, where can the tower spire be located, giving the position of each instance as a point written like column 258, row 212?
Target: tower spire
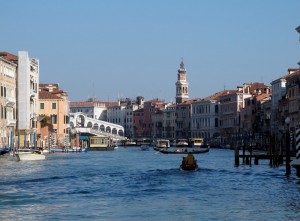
column 182, row 93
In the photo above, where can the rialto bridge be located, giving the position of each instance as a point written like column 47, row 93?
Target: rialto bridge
column 83, row 124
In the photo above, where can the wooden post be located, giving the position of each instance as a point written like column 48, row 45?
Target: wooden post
column 244, row 147
column 236, row 156
column 287, row 158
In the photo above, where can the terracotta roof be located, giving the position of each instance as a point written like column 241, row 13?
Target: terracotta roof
column 48, row 95
column 256, row 85
column 217, row 95
column 90, row 103
column 9, row 57
column 296, row 73
column 262, row 97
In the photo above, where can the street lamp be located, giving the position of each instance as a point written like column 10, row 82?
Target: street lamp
column 287, row 147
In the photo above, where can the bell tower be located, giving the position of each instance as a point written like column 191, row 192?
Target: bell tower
column 182, row 93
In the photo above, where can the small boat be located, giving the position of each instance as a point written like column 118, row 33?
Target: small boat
column 68, row 150
column 182, row 143
column 196, row 142
column 4, row 150
column 144, row 147
column 189, row 163
column 184, row 151
column 162, row 143
column 26, row 154
column 188, row 167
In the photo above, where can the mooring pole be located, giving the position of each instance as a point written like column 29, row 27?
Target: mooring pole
column 236, row 156
column 287, row 149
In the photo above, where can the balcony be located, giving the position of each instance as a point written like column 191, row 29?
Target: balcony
column 10, row 101
column 11, row 123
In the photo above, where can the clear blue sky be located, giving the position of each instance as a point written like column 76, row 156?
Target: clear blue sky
column 126, row 48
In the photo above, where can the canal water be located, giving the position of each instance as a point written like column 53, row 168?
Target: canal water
column 130, row 184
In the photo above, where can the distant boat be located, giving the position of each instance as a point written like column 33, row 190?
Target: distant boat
column 162, row 144
column 145, row 147
column 68, row 150
column 182, row 143
column 27, row 154
column 196, row 142
column 184, row 151
column 101, row 144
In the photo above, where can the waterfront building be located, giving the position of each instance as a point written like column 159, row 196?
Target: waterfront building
column 231, row 105
column 278, row 93
column 27, row 96
column 122, row 113
column 131, row 106
column 205, row 118
column 293, row 96
column 143, row 117
column 255, row 120
column 182, row 86
column 54, row 112
column 116, row 113
column 169, row 122
column 92, row 108
column 183, row 117
column 8, row 79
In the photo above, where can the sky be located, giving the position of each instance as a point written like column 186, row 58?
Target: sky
column 112, row 49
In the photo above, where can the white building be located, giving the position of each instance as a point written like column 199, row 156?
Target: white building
column 92, row 108
column 205, row 118
column 27, row 93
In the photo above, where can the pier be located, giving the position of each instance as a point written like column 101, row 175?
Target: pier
column 248, row 155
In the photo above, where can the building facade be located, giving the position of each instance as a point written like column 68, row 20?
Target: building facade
column 54, row 108
column 27, row 96
column 8, row 79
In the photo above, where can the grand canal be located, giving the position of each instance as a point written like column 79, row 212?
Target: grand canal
column 130, row 184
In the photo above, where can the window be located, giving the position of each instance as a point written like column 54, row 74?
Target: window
column 42, row 106
column 53, row 105
column 54, row 119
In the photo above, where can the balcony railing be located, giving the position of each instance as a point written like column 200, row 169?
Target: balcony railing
column 11, row 123
column 10, row 101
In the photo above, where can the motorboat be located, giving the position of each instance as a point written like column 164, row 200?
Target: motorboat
column 196, row 142
column 182, row 143
column 144, row 147
column 189, row 163
column 26, row 154
column 188, row 167
column 162, row 143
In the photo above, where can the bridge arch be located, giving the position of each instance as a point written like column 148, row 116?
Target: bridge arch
column 80, row 120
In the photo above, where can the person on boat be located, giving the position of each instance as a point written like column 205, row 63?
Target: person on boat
column 190, row 159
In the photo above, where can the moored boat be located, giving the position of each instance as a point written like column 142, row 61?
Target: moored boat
column 161, row 144
column 182, row 143
column 101, row 144
column 196, row 142
column 26, row 154
column 145, row 147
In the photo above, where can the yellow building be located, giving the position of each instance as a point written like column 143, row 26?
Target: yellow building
column 53, row 113
column 8, row 78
